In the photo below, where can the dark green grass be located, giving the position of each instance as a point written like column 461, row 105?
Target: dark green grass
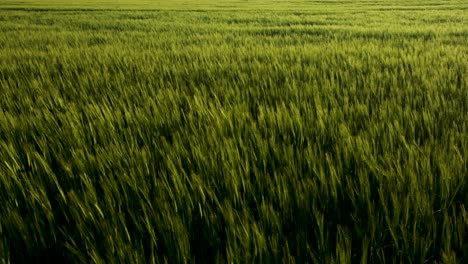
column 312, row 132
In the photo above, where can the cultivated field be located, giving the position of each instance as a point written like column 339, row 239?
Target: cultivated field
column 251, row 131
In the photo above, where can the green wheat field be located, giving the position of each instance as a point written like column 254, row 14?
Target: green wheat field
column 250, row 131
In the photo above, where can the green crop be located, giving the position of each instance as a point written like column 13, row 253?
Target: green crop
column 251, row 131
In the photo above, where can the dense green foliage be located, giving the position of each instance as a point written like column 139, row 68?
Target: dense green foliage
column 320, row 132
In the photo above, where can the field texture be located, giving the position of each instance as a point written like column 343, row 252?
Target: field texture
column 234, row 132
